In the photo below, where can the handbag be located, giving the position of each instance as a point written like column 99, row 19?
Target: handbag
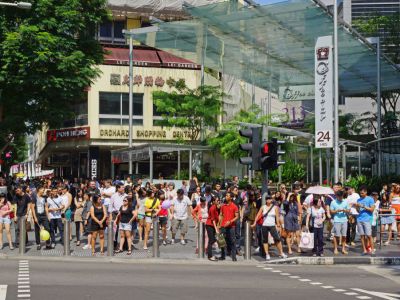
column 307, row 240
column 221, row 240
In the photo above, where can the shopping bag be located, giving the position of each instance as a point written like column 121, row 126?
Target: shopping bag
column 307, row 240
column 270, row 239
column 221, row 240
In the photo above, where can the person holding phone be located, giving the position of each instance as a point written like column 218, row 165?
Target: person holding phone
column 366, row 206
column 339, row 208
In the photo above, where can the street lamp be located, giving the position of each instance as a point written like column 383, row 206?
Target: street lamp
column 336, row 91
column 130, row 34
column 377, row 41
column 22, row 5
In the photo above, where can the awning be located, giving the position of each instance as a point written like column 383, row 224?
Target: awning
column 171, row 61
column 272, row 46
column 141, row 57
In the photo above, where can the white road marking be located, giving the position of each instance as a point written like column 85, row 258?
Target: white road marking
column 24, row 295
column 268, row 268
column 339, row 290
column 24, row 291
column 304, row 280
column 351, row 294
column 260, row 266
column 363, row 297
column 285, row 274
column 24, row 288
column 276, row 271
column 3, row 292
column 327, row 287
column 387, row 296
column 315, row 283
column 294, row 277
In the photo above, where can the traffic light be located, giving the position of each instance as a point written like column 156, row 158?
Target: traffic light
column 253, row 147
column 270, row 153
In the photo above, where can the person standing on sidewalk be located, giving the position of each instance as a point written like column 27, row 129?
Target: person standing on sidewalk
column 98, row 215
column 212, row 226
column 315, row 223
column 40, row 215
column 127, row 213
column 152, row 208
column 5, row 220
column 115, row 204
column 365, row 206
column 352, row 198
column 227, row 221
column 339, row 208
column 23, row 202
column 55, row 207
column 180, row 209
column 78, row 215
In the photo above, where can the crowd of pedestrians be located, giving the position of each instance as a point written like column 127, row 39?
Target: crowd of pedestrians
column 279, row 219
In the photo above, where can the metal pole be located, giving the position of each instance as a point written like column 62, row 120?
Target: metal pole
column 320, row 166
column 156, row 245
column 200, row 240
column 190, row 163
column 336, row 92
column 67, row 249
column 379, row 99
column 110, row 237
column 130, row 101
column 264, row 188
column 22, row 235
column 280, row 174
column 312, row 161
column 308, row 167
column 359, row 160
column 247, row 241
column 249, row 174
column 328, row 165
column 151, row 164
column 344, row 162
column 179, row 164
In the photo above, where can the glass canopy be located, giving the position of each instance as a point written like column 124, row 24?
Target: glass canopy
column 272, row 46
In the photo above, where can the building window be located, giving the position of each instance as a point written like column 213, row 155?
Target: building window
column 110, row 32
column 80, row 113
column 114, row 109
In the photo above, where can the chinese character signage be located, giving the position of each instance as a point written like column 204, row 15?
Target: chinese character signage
column 324, row 92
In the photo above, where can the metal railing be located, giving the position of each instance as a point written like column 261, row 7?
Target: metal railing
column 380, row 225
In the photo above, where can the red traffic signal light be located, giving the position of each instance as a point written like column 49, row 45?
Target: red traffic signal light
column 265, row 148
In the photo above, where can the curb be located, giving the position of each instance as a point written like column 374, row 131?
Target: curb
column 115, row 260
column 338, row 261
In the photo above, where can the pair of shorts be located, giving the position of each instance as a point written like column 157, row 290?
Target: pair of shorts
column 181, row 225
column 5, row 220
column 148, row 219
column 340, row 229
column 125, row 226
column 140, row 216
column 272, row 230
column 364, row 228
column 163, row 220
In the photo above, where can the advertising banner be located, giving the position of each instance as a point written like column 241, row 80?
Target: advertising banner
column 94, row 156
column 324, row 92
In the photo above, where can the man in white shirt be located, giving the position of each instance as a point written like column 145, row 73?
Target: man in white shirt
column 352, row 198
column 181, row 206
column 55, row 207
column 117, row 199
column 107, row 192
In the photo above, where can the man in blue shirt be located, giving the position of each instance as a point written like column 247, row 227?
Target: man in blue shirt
column 339, row 209
column 365, row 205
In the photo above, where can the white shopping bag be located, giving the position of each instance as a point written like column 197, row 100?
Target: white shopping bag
column 270, row 239
column 307, row 240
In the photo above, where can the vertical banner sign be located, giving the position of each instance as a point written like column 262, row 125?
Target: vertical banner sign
column 94, row 155
column 324, row 92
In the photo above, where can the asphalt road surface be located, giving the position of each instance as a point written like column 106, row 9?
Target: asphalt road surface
column 26, row 279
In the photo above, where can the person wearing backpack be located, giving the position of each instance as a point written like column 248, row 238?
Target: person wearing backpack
column 271, row 223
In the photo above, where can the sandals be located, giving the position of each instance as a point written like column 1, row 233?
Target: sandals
column 213, row 258
column 118, row 251
column 78, row 243
column 129, row 252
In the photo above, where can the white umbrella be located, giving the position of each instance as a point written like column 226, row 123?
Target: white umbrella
column 319, row 190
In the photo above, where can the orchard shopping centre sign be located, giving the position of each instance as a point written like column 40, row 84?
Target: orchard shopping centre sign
column 144, row 134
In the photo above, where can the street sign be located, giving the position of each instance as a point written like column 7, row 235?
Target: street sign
column 324, row 92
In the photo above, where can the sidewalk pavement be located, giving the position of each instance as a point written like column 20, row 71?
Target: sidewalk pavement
column 187, row 252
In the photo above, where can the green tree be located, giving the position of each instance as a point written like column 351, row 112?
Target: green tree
column 48, row 56
column 227, row 139
column 388, row 29
column 192, row 109
column 291, row 172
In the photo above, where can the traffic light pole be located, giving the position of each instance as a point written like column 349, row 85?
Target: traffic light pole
column 264, row 188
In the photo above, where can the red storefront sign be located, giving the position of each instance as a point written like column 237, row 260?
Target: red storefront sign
column 81, row 133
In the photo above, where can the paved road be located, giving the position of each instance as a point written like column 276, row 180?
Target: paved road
column 96, row 280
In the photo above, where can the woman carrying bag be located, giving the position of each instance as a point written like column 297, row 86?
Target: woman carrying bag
column 271, row 222
column 315, row 223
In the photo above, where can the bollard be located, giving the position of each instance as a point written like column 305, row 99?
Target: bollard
column 22, row 235
column 67, row 249
column 200, row 240
column 247, row 241
column 156, row 245
column 110, row 238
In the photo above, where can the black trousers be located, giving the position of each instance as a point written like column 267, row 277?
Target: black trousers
column 43, row 221
column 351, row 231
column 78, row 230
column 56, row 223
column 230, row 238
column 211, row 239
column 318, row 241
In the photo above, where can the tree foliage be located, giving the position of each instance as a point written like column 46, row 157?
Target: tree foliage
column 291, row 172
column 227, row 139
column 48, row 56
column 191, row 109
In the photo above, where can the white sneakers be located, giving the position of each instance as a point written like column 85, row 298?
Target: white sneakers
column 86, row 247
column 267, row 257
column 183, row 242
